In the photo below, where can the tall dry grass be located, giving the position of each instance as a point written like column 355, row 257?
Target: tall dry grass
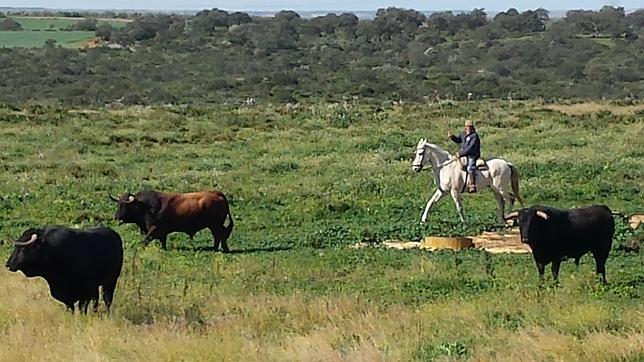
column 513, row 326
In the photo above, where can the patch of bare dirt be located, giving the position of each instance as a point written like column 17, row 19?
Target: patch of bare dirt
column 494, row 243
column 91, row 43
column 635, row 221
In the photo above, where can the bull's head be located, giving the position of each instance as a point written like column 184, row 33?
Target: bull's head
column 129, row 209
column 29, row 254
column 527, row 218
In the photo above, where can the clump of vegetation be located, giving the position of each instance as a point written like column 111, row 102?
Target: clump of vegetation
column 9, row 24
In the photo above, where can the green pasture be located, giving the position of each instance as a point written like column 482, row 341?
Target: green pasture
column 305, row 183
column 36, row 39
column 38, row 30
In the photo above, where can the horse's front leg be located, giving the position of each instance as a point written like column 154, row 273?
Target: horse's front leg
column 458, row 202
column 434, row 199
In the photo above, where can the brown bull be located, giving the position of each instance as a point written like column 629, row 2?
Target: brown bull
column 158, row 214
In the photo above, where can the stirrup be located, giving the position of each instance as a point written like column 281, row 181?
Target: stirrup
column 471, row 189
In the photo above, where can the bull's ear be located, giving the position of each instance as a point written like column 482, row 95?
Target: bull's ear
column 542, row 214
column 512, row 215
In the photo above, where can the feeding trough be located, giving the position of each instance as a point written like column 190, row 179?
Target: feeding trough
column 442, row 242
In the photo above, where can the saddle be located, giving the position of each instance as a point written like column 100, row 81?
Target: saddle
column 481, row 165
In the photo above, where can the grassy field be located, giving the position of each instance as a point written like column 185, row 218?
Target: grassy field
column 36, row 39
column 37, row 30
column 304, row 184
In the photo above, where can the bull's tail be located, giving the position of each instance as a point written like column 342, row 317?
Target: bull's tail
column 514, row 177
column 227, row 230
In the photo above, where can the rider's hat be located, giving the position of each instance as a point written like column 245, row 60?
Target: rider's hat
column 469, row 123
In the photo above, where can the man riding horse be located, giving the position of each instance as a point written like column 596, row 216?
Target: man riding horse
column 470, row 148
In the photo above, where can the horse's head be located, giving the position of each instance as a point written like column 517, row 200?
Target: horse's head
column 419, row 156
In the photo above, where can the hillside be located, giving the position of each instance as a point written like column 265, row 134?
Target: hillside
column 217, row 57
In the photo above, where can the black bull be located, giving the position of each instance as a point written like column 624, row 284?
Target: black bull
column 75, row 263
column 555, row 235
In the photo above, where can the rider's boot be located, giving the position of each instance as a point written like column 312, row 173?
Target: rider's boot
column 471, row 182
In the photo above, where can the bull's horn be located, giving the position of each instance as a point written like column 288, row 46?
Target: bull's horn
column 542, row 215
column 130, row 199
column 512, row 215
column 112, row 197
column 34, row 237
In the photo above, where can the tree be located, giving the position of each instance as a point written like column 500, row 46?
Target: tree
column 8, row 24
column 104, row 31
column 636, row 19
column 287, row 16
column 395, row 21
column 440, row 21
column 207, row 21
column 612, row 20
column 477, row 18
column 89, row 24
column 584, row 21
column 532, row 21
column 238, row 18
column 50, row 43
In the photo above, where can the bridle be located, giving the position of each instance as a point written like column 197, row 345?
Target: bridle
column 450, row 160
column 420, row 166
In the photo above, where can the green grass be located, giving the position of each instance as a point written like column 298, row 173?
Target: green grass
column 33, row 39
column 304, row 185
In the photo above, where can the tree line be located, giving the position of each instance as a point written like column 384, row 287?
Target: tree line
column 217, row 56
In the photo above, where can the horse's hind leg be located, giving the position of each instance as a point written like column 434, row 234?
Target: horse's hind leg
column 506, row 196
column 501, row 204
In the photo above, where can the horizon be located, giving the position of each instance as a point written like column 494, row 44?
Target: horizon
column 311, row 5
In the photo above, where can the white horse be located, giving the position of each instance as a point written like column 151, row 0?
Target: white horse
column 449, row 177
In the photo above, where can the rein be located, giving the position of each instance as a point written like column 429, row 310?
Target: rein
column 439, row 167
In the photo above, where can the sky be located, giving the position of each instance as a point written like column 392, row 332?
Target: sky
column 303, row 5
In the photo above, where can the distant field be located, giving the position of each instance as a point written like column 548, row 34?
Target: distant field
column 35, row 39
column 46, row 23
column 38, row 29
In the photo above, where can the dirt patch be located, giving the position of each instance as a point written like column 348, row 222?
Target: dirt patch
column 90, row 43
column 495, row 243
column 635, row 221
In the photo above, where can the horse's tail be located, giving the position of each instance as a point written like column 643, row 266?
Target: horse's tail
column 514, row 176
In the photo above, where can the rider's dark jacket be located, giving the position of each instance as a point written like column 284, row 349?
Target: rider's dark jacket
column 470, row 144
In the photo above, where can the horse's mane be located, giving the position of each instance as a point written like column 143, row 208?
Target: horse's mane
column 437, row 149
